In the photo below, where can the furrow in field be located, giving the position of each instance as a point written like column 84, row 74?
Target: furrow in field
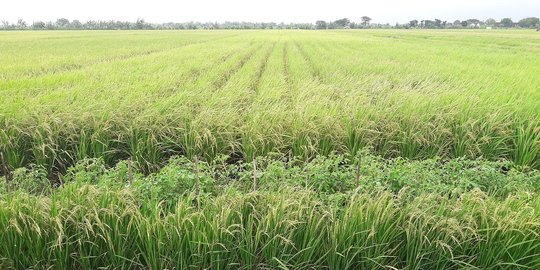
column 242, row 78
column 317, row 124
column 303, row 87
column 194, row 88
column 197, row 72
column 21, row 54
column 287, row 76
column 305, row 118
column 208, row 120
column 269, row 115
column 126, row 83
column 224, row 79
column 73, row 67
column 195, row 92
column 315, row 73
column 286, row 71
column 261, row 68
column 60, row 81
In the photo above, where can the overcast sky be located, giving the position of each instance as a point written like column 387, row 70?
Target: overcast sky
column 159, row 11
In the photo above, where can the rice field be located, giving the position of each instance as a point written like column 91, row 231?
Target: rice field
column 69, row 95
column 278, row 149
column 428, row 214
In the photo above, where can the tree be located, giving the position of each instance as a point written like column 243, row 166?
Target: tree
column 365, row 20
column 530, row 22
column 438, row 23
column 507, row 22
column 90, row 25
column 321, row 25
column 21, row 24
column 38, row 25
column 76, row 24
column 140, row 24
column 473, row 23
column 491, row 22
column 429, row 24
column 62, row 23
column 342, row 23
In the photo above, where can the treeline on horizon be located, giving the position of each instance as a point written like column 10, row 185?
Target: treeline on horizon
column 345, row 23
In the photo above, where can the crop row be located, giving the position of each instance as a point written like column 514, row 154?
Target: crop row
column 429, row 214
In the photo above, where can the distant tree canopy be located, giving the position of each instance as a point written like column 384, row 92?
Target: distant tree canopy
column 344, row 23
column 491, row 22
column 38, row 25
column 365, row 20
column 507, row 22
column 475, row 23
column 141, row 24
column 21, row 23
column 321, row 25
column 531, row 22
column 63, row 23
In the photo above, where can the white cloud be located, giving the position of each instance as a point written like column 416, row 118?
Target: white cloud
column 390, row 11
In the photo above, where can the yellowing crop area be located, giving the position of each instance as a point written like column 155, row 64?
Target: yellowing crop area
column 148, row 95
